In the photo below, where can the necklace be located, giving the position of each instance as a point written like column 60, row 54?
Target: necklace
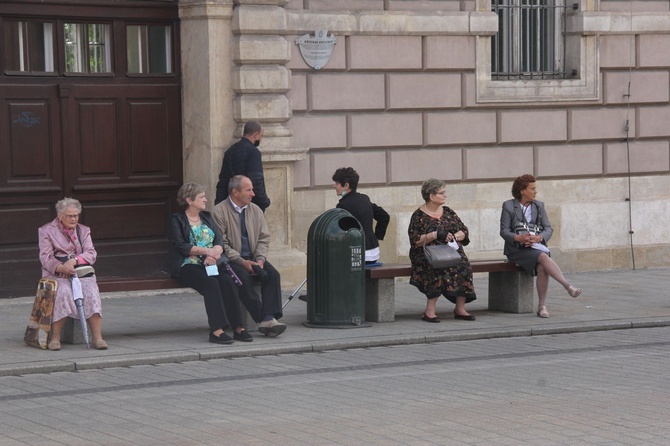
column 435, row 212
column 193, row 220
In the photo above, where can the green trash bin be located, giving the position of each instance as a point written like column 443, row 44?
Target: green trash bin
column 335, row 271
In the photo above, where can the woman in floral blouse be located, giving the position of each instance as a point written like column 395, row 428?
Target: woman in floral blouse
column 431, row 224
column 196, row 244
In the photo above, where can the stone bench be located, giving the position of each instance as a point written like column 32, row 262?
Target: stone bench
column 510, row 288
column 73, row 334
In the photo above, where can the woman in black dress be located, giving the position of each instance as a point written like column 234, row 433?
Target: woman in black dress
column 434, row 223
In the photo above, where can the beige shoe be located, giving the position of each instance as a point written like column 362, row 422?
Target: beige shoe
column 542, row 311
column 574, row 292
column 54, row 345
column 272, row 328
column 100, row 344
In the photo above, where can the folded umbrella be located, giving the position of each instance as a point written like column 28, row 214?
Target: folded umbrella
column 78, row 297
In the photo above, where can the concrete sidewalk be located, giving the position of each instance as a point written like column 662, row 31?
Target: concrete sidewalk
column 171, row 325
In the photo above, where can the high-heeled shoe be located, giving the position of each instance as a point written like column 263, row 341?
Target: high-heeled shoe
column 574, row 292
column 542, row 312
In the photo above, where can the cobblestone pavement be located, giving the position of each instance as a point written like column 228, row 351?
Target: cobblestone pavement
column 171, row 326
column 595, row 388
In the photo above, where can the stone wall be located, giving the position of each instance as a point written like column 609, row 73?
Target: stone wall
column 398, row 102
column 405, row 96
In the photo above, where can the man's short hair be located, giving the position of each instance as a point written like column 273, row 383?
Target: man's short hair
column 235, row 183
column 252, row 127
column 345, row 175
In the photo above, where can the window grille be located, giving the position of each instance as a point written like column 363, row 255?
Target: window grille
column 87, row 48
column 530, row 43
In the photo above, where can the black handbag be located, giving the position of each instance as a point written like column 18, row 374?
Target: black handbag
column 441, row 256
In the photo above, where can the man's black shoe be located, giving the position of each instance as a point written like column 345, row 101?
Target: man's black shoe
column 220, row 339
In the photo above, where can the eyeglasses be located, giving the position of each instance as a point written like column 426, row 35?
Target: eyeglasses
column 72, row 216
column 442, row 192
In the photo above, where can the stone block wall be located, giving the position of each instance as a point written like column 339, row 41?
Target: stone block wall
column 398, row 102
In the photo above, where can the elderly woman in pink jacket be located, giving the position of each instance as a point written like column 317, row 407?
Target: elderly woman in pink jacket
column 65, row 244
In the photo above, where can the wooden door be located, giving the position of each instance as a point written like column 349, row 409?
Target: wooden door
column 111, row 140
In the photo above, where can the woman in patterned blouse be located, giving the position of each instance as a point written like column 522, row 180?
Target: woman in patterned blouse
column 435, row 223
column 196, row 259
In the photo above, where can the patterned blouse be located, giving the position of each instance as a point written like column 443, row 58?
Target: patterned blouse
column 201, row 236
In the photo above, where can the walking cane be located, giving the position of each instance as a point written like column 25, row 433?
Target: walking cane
column 293, row 294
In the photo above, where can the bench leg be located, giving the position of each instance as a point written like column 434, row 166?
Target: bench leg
column 247, row 320
column 380, row 300
column 511, row 292
column 72, row 333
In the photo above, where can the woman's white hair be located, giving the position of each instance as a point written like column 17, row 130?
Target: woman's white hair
column 68, row 203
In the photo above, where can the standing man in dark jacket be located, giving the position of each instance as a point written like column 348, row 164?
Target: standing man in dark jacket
column 360, row 206
column 244, row 158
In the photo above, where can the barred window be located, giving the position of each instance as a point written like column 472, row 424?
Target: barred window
column 530, row 42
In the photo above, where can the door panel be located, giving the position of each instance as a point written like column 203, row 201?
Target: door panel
column 117, row 221
column 30, row 139
column 149, row 138
column 24, row 220
column 98, row 142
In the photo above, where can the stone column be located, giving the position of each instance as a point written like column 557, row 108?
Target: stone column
column 207, row 97
column 260, row 83
column 233, row 58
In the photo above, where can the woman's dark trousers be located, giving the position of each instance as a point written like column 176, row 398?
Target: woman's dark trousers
column 219, row 292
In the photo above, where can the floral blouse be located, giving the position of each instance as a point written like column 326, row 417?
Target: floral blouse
column 201, row 236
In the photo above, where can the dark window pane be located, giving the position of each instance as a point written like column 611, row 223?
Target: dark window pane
column 149, row 49
column 29, row 46
column 159, row 49
column 13, row 46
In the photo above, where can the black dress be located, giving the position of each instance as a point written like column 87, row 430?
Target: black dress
column 450, row 282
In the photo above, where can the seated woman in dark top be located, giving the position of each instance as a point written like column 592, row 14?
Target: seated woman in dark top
column 194, row 261
column 360, row 206
column 435, row 223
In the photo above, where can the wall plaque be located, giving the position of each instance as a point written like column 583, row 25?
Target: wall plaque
column 317, row 49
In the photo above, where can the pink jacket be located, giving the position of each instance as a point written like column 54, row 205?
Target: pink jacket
column 53, row 243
